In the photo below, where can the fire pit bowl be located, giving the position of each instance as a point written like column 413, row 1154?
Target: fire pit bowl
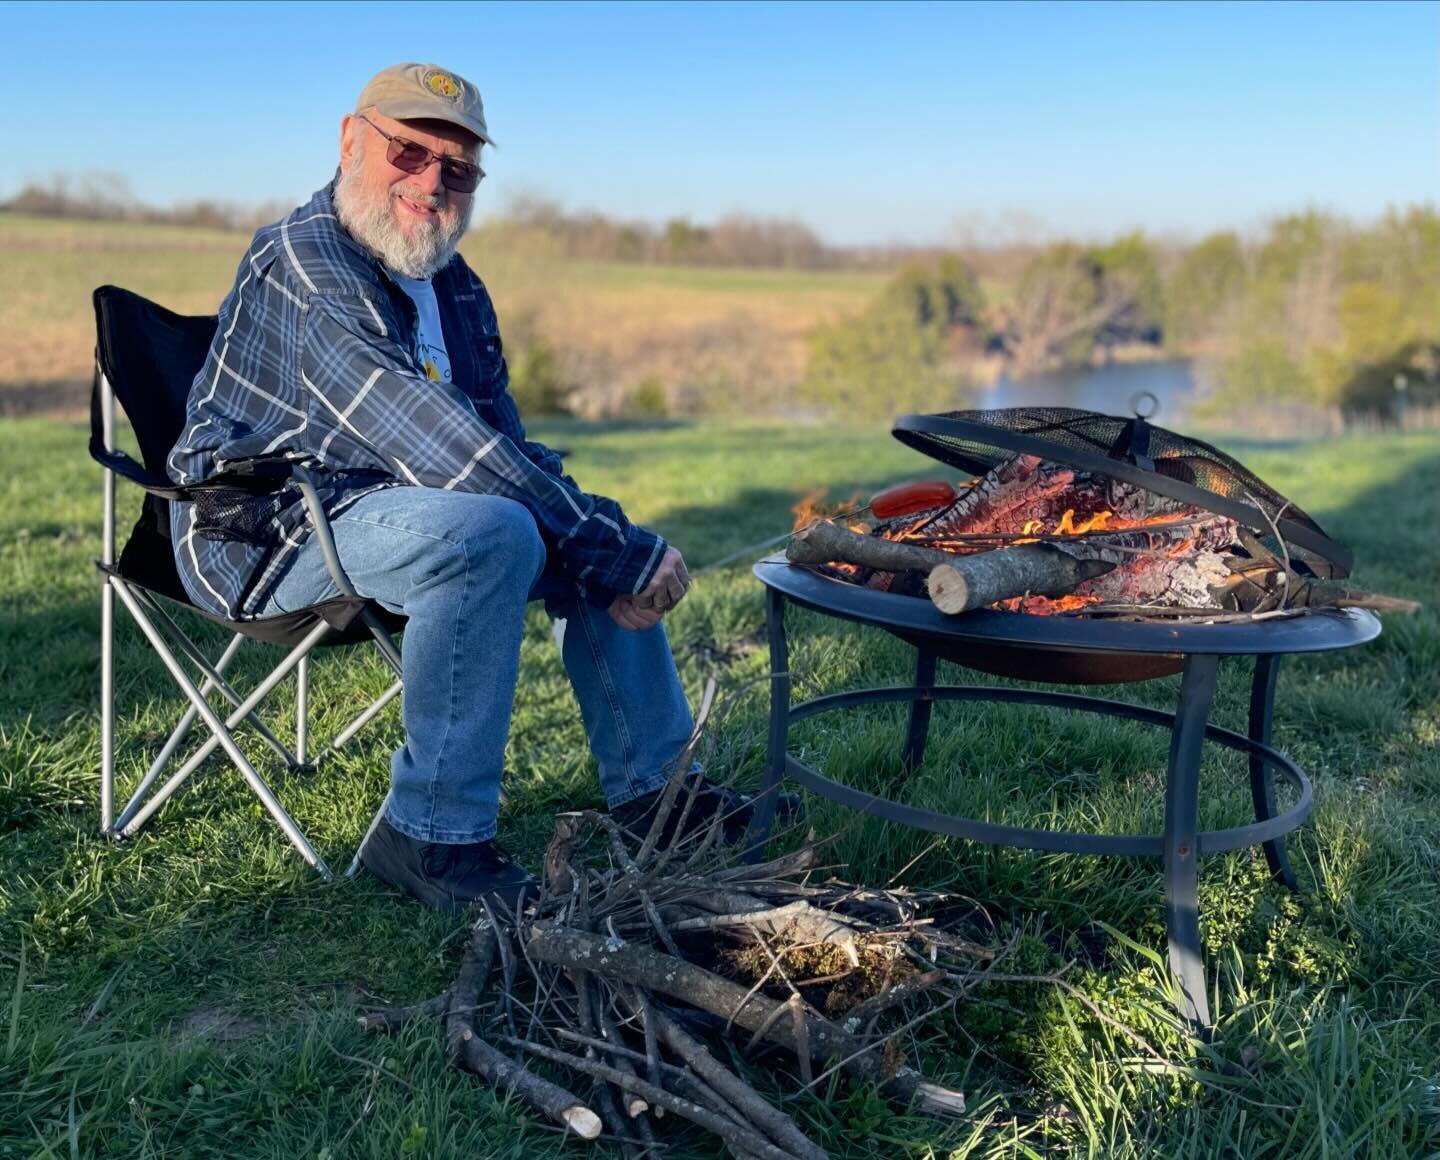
column 1066, row 649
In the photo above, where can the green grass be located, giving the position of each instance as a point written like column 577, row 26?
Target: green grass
column 191, row 993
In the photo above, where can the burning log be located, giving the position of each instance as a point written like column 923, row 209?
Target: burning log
column 1028, row 491
column 967, row 582
column 826, row 543
column 957, row 583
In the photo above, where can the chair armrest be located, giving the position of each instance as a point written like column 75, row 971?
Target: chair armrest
column 320, row 525
column 260, row 475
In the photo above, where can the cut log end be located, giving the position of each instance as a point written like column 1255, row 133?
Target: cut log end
column 970, row 582
column 938, row 1100
column 582, row 1121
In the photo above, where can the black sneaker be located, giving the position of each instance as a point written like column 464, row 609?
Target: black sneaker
column 446, row 876
column 710, row 800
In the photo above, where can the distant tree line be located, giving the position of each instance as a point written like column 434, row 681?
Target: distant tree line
column 1317, row 312
column 103, row 196
column 736, row 240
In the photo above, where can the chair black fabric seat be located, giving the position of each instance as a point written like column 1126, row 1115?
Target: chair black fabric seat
column 288, row 629
column 147, row 357
column 148, row 562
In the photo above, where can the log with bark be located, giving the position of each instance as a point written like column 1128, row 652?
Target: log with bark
column 986, row 578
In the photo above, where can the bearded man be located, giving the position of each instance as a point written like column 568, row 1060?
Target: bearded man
column 357, row 340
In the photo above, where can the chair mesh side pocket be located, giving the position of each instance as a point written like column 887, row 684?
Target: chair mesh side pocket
column 232, row 513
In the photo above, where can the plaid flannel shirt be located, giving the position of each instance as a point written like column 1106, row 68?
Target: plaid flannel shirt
column 314, row 359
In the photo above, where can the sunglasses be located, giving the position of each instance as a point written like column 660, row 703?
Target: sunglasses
column 411, row 157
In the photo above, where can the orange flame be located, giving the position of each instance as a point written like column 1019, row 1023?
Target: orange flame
column 812, row 508
column 1096, row 523
column 808, row 510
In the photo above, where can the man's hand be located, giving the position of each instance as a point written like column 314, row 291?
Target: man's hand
column 627, row 614
column 665, row 590
column 668, row 586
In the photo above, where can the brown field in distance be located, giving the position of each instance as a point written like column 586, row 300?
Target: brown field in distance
column 716, row 339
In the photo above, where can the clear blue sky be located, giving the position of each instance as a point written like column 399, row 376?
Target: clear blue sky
column 872, row 122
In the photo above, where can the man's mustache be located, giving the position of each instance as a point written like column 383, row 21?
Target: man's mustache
column 429, row 200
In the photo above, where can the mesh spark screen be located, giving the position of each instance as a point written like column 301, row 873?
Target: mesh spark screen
column 1185, row 469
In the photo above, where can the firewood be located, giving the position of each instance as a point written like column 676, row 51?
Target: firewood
column 1023, row 484
column 728, row 908
column 1248, row 587
column 1332, row 596
column 747, row 1140
column 508, row 1076
column 465, row 1046
column 395, row 1018
column 962, row 583
column 586, row 969
column 777, row 1125
column 825, row 543
column 700, row 988
column 862, row 1013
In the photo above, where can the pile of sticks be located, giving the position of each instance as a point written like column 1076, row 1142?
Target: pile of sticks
column 647, row 977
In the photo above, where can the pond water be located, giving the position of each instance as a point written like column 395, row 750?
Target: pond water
column 1108, row 389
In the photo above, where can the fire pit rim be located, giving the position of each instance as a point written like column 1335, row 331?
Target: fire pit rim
column 1317, row 631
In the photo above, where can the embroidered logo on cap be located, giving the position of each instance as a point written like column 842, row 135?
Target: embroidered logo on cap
column 443, row 84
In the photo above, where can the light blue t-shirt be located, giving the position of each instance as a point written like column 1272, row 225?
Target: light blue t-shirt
column 430, row 354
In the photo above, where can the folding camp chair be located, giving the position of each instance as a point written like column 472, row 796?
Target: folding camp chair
column 148, row 356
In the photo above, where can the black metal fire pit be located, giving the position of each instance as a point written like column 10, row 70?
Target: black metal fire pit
column 1198, row 647
column 1063, row 649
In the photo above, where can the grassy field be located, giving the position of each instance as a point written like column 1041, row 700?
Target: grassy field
column 192, row 993
column 695, row 330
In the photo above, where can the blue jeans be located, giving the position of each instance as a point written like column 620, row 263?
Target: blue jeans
column 461, row 567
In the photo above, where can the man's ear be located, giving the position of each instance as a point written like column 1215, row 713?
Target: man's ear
column 348, row 127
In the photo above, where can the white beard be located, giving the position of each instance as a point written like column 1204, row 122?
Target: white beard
column 372, row 222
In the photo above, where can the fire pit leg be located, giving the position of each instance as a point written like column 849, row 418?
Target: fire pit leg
column 764, row 816
column 919, row 731
column 1262, row 784
column 1182, row 793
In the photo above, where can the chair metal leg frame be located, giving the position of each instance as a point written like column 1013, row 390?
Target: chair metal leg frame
column 354, row 867
column 212, row 676
column 369, row 714
column 302, row 708
column 221, row 729
column 172, row 743
column 107, row 618
column 391, row 654
column 137, row 600
column 261, row 691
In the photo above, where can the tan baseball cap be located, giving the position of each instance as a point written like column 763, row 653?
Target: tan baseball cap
column 426, row 92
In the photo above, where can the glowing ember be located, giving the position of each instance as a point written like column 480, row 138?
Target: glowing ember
column 1047, row 606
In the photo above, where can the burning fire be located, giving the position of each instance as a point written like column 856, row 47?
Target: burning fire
column 811, row 508
column 1030, row 532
